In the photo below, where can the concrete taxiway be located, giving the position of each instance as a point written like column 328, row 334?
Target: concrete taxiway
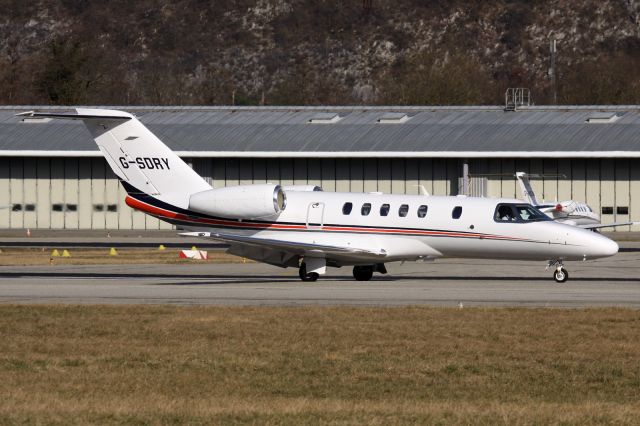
column 606, row 282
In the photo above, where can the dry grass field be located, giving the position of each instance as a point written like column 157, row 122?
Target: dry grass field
column 212, row 365
column 86, row 256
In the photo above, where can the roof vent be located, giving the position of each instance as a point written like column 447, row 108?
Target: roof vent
column 604, row 117
column 325, row 118
column 35, row 120
column 394, row 118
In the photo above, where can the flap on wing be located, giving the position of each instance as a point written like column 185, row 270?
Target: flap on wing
column 290, row 246
column 608, row 225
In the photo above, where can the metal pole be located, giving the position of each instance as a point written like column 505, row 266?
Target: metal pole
column 465, row 177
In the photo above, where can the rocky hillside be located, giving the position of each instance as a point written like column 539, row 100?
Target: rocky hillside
column 320, row 52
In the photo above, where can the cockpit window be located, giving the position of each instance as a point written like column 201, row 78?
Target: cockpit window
column 505, row 213
column 518, row 213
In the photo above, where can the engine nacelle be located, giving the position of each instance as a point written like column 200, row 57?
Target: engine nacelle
column 240, row 202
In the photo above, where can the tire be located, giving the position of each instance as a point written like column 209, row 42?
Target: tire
column 560, row 275
column 362, row 273
column 310, row 277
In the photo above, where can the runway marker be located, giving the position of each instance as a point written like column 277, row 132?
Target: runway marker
column 65, row 253
column 161, row 247
column 55, row 253
column 113, row 252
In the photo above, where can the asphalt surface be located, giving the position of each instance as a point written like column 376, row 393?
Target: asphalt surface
column 450, row 282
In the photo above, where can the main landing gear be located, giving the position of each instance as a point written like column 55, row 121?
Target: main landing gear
column 559, row 274
column 365, row 272
column 307, row 277
column 311, row 268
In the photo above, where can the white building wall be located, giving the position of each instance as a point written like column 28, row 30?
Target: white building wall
column 52, row 186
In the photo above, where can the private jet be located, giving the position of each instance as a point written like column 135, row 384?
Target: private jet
column 569, row 212
column 311, row 230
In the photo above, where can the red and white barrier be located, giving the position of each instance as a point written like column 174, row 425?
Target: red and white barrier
column 193, row 254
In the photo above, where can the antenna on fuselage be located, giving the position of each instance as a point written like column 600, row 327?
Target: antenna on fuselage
column 423, row 190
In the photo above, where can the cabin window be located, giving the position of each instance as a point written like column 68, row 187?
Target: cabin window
column 403, row 210
column 384, row 209
column 607, row 210
column 346, row 208
column 422, row 211
column 30, row 207
column 112, row 208
column 366, row 209
column 16, row 208
column 57, row 207
column 457, row 212
column 622, row 210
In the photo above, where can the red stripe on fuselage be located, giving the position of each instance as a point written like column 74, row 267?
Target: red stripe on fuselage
column 157, row 211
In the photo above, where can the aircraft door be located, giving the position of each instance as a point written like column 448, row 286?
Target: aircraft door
column 315, row 215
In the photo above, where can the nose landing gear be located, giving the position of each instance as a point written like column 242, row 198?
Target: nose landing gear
column 559, row 274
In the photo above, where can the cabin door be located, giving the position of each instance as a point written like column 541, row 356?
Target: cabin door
column 315, row 215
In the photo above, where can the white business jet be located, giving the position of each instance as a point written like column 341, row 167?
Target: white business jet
column 311, row 230
column 569, row 212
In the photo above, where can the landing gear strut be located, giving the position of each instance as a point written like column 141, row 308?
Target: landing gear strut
column 304, row 276
column 559, row 274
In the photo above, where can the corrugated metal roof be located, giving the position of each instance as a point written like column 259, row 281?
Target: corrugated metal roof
column 287, row 131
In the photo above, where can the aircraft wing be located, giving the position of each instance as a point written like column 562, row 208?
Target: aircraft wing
column 607, row 225
column 288, row 246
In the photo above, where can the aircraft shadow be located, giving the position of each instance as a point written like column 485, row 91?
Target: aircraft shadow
column 266, row 279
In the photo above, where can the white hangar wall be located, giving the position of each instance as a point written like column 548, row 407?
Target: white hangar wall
column 83, row 193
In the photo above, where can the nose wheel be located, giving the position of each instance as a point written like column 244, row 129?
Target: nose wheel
column 560, row 274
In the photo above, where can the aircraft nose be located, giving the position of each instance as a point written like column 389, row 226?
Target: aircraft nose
column 603, row 247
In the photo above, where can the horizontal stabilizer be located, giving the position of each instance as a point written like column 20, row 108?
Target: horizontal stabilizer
column 608, row 225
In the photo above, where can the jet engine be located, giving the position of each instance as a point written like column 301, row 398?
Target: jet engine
column 240, row 202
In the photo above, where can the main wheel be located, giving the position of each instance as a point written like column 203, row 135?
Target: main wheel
column 362, row 273
column 311, row 276
column 560, row 275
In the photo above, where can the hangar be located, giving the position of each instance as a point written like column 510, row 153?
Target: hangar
column 53, row 176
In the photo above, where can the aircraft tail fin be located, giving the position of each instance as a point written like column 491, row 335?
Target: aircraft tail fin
column 137, row 156
column 527, row 190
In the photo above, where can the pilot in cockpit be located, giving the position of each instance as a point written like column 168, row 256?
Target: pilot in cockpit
column 505, row 213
